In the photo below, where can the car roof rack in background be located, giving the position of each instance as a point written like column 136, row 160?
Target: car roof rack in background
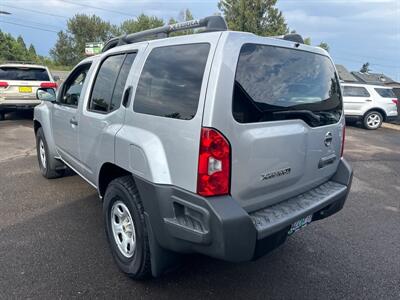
column 212, row 23
column 22, row 62
column 292, row 37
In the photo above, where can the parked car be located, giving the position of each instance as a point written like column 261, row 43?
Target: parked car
column 221, row 143
column 370, row 104
column 19, row 83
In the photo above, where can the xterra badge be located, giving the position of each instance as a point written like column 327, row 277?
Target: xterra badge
column 274, row 174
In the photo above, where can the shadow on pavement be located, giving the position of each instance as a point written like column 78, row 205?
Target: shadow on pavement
column 19, row 115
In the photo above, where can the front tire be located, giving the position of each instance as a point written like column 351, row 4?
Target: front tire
column 372, row 120
column 45, row 160
column 125, row 227
column 2, row 116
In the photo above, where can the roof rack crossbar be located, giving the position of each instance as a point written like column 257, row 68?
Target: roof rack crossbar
column 212, row 23
column 22, row 62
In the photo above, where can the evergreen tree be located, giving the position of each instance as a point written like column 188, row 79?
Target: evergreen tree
column 257, row 16
column 142, row 22
column 324, row 46
column 32, row 52
column 365, row 68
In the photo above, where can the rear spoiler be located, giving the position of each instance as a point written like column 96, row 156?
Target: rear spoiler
column 292, row 37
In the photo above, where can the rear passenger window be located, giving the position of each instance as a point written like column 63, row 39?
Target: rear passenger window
column 110, row 82
column 355, row 91
column 170, row 83
column 385, row 93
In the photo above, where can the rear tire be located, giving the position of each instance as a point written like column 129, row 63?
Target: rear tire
column 126, row 229
column 2, row 116
column 45, row 160
column 372, row 120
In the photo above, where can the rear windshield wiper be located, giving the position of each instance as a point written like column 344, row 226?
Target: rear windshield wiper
column 294, row 112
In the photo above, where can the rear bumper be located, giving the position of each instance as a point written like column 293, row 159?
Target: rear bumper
column 12, row 105
column 219, row 227
column 392, row 118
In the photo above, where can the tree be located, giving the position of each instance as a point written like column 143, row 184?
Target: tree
column 13, row 49
column 63, row 51
column 307, row 41
column 32, row 52
column 365, row 68
column 184, row 15
column 258, row 16
column 324, row 46
column 21, row 42
column 81, row 29
column 142, row 22
column 84, row 29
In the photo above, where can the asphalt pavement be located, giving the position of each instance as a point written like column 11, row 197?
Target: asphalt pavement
column 53, row 245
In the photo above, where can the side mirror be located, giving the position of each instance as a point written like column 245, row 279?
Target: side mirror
column 46, row 94
column 56, row 78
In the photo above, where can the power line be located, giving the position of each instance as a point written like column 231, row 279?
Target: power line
column 98, row 8
column 372, row 64
column 361, row 55
column 27, row 26
column 36, row 11
column 33, row 23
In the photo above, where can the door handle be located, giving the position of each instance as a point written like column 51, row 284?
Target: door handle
column 368, row 100
column 125, row 101
column 73, row 122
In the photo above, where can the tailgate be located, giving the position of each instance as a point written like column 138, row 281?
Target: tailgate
column 285, row 121
column 20, row 82
column 20, row 90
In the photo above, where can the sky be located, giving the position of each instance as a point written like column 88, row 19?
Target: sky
column 357, row 31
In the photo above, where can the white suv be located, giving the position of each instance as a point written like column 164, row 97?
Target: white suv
column 371, row 104
column 19, row 83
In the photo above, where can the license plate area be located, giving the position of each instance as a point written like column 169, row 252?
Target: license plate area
column 25, row 89
column 296, row 226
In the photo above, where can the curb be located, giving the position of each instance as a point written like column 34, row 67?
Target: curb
column 391, row 126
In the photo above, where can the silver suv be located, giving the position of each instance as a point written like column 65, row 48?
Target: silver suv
column 19, row 83
column 221, row 143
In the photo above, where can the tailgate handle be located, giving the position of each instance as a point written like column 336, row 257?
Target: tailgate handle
column 327, row 160
column 73, row 121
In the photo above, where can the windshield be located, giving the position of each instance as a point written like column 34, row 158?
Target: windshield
column 297, row 84
column 23, row 73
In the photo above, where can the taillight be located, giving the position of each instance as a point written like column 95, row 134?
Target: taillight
column 343, row 140
column 395, row 101
column 213, row 177
column 3, row 84
column 48, row 85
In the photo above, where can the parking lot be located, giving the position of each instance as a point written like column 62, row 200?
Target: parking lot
column 53, row 245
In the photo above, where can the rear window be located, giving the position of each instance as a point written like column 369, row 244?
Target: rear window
column 355, row 91
column 21, row 73
column 385, row 93
column 274, row 83
column 170, row 83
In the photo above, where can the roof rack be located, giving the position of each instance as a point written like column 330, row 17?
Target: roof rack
column 22, row 62
column 212, row 23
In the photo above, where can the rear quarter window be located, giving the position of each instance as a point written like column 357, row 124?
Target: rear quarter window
column 24, row 73
column 355, row 91
column 171, row 80
column 385, row 93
